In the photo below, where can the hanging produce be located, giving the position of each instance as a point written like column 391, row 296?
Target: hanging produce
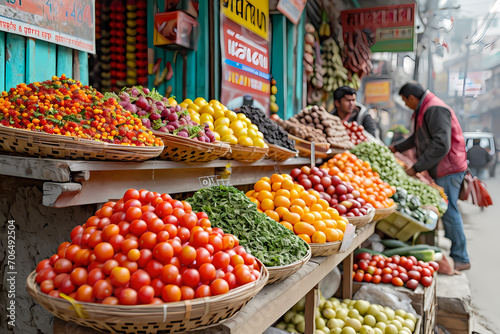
column 124, row 255
column 229, row 209
column 118, row 45
column 357, row 53
column 313, row 65
column 274, row 90
column 63, row 106
column 104, row 52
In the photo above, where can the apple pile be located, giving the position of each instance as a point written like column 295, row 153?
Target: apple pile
column 339, row 194
column 398, row 270
column 355, row 132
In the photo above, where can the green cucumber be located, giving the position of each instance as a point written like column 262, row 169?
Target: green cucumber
column 367, row 250
column 425, row 255
column 408, row 249
column 393, row 243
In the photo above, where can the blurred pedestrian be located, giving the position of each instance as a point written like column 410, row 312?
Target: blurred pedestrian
column 348, row 110
column 440, row 149
column 478, row 159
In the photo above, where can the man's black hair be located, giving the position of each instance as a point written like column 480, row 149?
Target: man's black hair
column 340, row 92
column 412, row 88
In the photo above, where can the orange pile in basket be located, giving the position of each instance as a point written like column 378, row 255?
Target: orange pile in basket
column 360, row 175
column 303, row 212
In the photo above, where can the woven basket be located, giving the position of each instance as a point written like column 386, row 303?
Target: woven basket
column 46, row 145
column 328, row 248
column 278, row 153
column 165, row 318
column 246, row 153
column 279, row 274
column 304, row 147
column 182, row 149
column 362, row 220
column 384, row 213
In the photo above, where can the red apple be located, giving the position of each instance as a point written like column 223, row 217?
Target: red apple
column 305, row 170
column 342, row 198
column 306, row 183
column 340, row 189
column 302, row 176
column 326, row 181
column 326, row 197
column 314, row 179
column 336, row 180
column 330, row 190
column 341, row 209
column 319, row 188
column 295, row 172
column 333, row 202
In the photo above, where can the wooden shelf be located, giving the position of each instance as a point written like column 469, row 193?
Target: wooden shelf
column 75, row 182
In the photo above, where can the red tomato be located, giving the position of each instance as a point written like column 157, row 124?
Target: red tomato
column 163, row 252
column 70, row 252
column 171, row 229
column 133, row 213
column 42, row 265
column 131, row 194
column 106, row 212
column 367, row 277
column 203, row 291
column 95, row 275
column 363, row 265
column 207, row 272
column 79, row 276
column 179, row 213
column 124, row 227
column 397, row 281
column 104, row 251
column 171, row 293
column 84, row 294
column 128, row 296
column 404, row 277
column 191, row 277
column 221, row 260
column 163, row 209
column 47, row 286
column 102, row 289
column 146, row 256
column 118, row 206
column 145, row 294
column 111, row 301
column 202, row 256
column 138, row 227
column 413, row 274
column 67, row 286
column 92, row 221
column 119, row 276
column 133, row 255
column 243, row 276
column 364, row 256
column 412, row 284
column 129, row 244
column 130, row 265
column 386, row 278
column 199, row 238
column 188, row 220
column 358, row 277
column 116, row 242
column 58, row 279
column 187, row 292
column 109, row 265
column 77, row 230
column 184, row 234
column 63, row 266
column 171, row 219
column 188, row 255
column 426, row 272
column 169, row 273
column 139, row 279
column 219, row 286
column 376, row 279
column 157, row 285
column 434, row 265
column 148, row 240
column 109, row 231
column 163, row 236
column 426, row 281
column 117, row 217
column 153, row 268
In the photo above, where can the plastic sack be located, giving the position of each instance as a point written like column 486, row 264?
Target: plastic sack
column 274, row 330
column 385, row 296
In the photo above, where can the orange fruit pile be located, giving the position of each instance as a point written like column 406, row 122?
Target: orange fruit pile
column 348, row 167
column 303, row 212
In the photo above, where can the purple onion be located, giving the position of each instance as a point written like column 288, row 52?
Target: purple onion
column 170, row 128
column 165, row 100
column 146, row 90
column 142, row 103
column 174, row 124
column 149, row 109
column 182, row 121
column 154, row 116
column 124, row 96
column 210, row 136
column 187, row 117
column 132, row 108
column 134, row 92
column 159, row 105
column 146, row 122
column 142, row 112
column 173, row 117
column 177, row 108
column 163, row 129
column 193, row 123
column 165, row 113
column 183, row 134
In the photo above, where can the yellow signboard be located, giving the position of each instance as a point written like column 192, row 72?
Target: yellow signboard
column 377, row 91
column 251, row 14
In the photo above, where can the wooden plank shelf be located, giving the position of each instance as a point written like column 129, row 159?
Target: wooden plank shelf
column 76, row 182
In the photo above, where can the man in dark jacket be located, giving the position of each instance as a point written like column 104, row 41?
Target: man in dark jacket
column 348, row 110
column 440, row 149
column 478, row 158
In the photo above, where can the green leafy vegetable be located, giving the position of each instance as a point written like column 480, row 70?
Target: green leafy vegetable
column 267, row 240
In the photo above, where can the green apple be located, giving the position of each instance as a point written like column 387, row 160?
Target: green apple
column 288, row 316
column 329, row 313
column 411, row 316
column 353, row 313
column 354, row 323
column 401, row 312
column 378, row 331
column 390, row 313
column 397, row 323
column 366, row 330
column 369, row 320
column 348, row 330
column 328, row 304
column 300, row 306
column 381, row 317
column 381, row 325
column 301, row 327
column 336, row 330
column 409, row 324
column 362, row 306
column 320, row 322
column 391, row 329
column 342, row 314
column 373, row 310
column 291, row 328
column 281, row 325
column 297, row 318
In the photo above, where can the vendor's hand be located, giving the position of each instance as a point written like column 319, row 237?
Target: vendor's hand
column 411, row 172
column 392, row 148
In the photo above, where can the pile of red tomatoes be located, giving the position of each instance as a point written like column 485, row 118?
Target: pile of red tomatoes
column 147, row 248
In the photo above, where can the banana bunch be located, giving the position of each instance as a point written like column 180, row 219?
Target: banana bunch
column 336, row 75
column 354, row 81
column 324, row 27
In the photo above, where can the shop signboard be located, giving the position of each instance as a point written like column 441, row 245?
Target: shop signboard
column 245, row 67
column 292, row 9
column 475, row 84
column 69, row 23
column 251, row 14
column 377, row 91
column 388, row 29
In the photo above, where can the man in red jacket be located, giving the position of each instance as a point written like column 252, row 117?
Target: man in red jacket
column 440, row 149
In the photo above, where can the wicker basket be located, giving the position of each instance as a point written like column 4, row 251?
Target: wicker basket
column 328, row 248
column 246, row 153
column 304, row 147
column 278, row 153
column 46, row 145
column 182, row 149
column 362, row 220
column 279, row 274
column 165, row 318
column 384, row 213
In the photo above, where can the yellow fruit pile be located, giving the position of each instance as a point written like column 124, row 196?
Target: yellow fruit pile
column 227, row 125
column 303, row 212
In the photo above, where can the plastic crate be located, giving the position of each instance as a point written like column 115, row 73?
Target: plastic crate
column 403, row 227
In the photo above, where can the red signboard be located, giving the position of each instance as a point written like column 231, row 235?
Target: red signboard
column 391, row 27
column 245, row 67
column 69, row 23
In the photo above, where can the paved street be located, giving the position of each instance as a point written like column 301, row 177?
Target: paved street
column 482, row 229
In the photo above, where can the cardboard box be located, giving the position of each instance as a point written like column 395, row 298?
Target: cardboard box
column 176, row 29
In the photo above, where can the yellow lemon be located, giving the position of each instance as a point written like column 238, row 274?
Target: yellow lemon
column 183, row 105
column 172, row 102
column 217, row 136
column 245, row 141
column 194, row 107
column 222, row 120
column 241, row 116
column 240, row 133
column 237, row 125
column 231, row 115
column 260, row 134
column 254, row 127
column 251, row 133
column 206, row 118
column 207, row 109
column 188, row 101
column 222, row 129
column 196, row 118
column 200, row 102
column 259, row 142
column 230, row 139
column 218, row 113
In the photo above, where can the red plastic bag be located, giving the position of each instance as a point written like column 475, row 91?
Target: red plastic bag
column 474, row 191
